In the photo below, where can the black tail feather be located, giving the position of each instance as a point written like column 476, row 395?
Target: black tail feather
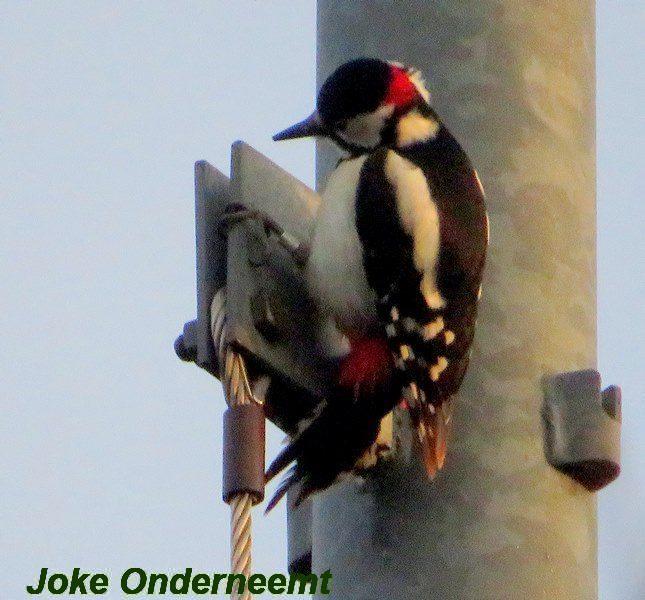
column 332, row 442
column 290, row 479
column 282, row 461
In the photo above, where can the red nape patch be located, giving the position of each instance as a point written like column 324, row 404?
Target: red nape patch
column 369, row 362
column 401, row 90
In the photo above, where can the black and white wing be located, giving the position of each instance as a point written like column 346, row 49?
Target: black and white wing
column 421, row 219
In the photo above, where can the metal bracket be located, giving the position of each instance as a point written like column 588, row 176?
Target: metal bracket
column 252, row 234
column 270, row 317
column 212, row 195
column 582, row 427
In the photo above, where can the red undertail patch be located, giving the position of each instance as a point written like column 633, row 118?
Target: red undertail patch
column 368, row 362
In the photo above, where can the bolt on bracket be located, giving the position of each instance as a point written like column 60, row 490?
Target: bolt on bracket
column 582, row 427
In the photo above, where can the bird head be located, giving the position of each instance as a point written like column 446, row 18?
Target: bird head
column 361, row 105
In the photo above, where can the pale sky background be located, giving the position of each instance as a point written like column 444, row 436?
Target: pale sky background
column 110, row 452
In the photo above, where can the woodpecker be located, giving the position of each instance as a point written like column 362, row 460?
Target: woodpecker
column 396, row 265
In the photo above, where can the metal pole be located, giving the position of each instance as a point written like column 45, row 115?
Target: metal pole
column 514, row 80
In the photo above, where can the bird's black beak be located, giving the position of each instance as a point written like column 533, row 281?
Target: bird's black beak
column 310, row 126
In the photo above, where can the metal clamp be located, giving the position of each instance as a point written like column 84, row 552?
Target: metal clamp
column 582, row 427
column 243, row 471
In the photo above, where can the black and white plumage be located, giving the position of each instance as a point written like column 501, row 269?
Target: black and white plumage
column 396, row 265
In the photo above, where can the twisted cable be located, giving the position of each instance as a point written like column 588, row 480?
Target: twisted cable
column 236, row 392
column 241, row 540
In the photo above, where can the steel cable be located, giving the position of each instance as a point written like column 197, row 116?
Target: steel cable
column 236, row 392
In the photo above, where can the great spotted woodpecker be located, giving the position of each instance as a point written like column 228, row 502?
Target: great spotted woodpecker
column 396, row 264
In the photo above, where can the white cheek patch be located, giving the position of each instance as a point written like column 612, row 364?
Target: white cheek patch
column 364, row 130
column 413, row 128
column 420, row 219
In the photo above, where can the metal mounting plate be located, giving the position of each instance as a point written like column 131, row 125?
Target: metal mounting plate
column 269, row 315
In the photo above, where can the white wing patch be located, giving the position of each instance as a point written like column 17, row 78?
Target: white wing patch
column 410, row 325
column 432, row 329
column 420, row 219
column 406, row 352
column 438, row 368
column 434, row 299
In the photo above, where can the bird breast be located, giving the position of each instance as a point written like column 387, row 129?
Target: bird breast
column 335, row 272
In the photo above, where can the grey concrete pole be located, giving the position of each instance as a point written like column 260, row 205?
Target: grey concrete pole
column 514, row 80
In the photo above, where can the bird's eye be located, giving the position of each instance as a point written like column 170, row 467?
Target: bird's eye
column 342, row 125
